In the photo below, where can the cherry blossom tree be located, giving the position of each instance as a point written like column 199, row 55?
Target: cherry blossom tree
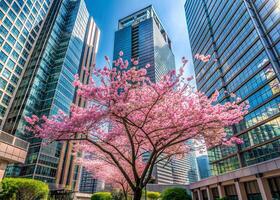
column 106, row 172
column 144, row 118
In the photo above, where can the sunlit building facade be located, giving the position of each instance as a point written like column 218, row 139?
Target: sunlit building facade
column 20, row 25
column 46, row 86
column 243, row 39
column 69, row 173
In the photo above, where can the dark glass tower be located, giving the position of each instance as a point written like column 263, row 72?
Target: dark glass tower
column 243, row 38
column 46, row 86
column 142, row 36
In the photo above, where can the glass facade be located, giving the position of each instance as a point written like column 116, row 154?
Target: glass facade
column 243, row 39
column 20, row 25
column 141, row 36
column 203, row 166
column 46, row 86
column 88, row 184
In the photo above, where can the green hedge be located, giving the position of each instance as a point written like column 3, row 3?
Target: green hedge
column 23, row 189
column 101, row 196
column 153, row 195
column 175, row 194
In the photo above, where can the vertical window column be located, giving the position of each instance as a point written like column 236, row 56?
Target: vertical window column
column 266, row 41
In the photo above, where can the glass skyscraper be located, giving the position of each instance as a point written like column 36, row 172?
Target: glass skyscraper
column 69, row 173
column 46, row 86
column 20, row 25
column 203, row 166
column 141, row 36
column 243, row 39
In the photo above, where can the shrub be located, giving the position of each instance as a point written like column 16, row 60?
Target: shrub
column 117, row 195
column 101, row 196
column 153, row 195
column 175, row 194
column 24, row 189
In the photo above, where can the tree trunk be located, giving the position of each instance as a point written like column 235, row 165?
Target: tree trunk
column 137, row 194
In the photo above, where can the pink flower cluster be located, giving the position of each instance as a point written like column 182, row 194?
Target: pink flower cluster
column 128, row 116
column 203, row 58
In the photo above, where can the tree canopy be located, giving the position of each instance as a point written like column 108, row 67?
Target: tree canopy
column 128, row 116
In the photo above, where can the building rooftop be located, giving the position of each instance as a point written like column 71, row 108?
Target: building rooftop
column 142, row 15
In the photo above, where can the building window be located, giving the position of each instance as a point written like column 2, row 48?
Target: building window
column 14, row 79
column 6, row 73
column 2, row 111
column 231, row 193
column 215, row 193
column 274, row 184
column 252, row 190
column 11, row 64
column 10, row 88
column 3, row 83
column 6, row 99
column 3, row 57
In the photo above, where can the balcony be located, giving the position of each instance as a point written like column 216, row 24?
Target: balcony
column 12, row 150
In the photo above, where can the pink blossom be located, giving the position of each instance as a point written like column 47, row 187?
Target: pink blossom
column 121, row 53
column 190, row 78
column 135, row 62
column 203, row 58
column 148, row 66
column 143, row 117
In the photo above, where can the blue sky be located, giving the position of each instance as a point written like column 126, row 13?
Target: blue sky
column 106, row 13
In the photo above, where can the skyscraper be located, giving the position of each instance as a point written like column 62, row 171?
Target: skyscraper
column 20, row 25
column 203, row 166
column 243, row 39
column 46, row 86
column 69, row 173
column 141, row 36
column 85, row 182
column 191, row 168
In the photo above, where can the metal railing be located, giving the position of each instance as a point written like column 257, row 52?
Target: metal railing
column 12, row 140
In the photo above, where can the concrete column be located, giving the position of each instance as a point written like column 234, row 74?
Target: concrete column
column 209, row 194
column 240, row 189
column 264, row 188
column 3, row 166
column 200, row 197
column 193, row 196
column 221, row 191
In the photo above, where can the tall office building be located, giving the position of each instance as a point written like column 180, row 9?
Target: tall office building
column 192, row 168
column 85, row 182
column 20, row 25
column 46, row 86
column 243, row 39
column 185, row 170
column 141, row 36
column 203, row 166
column 69, row 173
